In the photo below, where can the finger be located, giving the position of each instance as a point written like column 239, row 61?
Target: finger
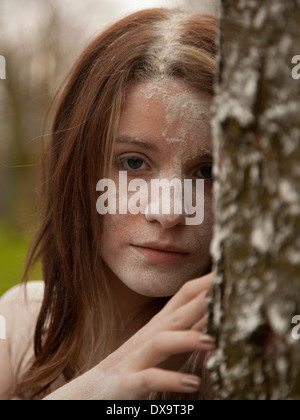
column 200, row 325
column 186, row 316
column 188, row 292
column 169, row 343
column 141, row 384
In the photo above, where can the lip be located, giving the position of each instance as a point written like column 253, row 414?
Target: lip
column 162, row 254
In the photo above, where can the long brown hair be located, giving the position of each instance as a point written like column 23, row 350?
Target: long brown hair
column 78, row 307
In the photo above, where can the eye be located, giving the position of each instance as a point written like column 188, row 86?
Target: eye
column 205, row 172
column 132, row 163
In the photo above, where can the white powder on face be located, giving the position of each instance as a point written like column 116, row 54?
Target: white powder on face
column 189, row 114
column 156, row 87
column 188, row 125
column 149, row 279
column 160, row 280
column 182, row 107
column 159, row 111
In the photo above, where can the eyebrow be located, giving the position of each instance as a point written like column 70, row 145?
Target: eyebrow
column 204, row 154
column 138, row 142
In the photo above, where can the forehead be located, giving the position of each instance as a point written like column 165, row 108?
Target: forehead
column 167, row 112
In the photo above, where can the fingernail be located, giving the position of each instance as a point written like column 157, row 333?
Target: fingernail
column 207, row 339
column 191, row 382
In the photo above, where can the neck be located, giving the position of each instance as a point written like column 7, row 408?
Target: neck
column 134, row 310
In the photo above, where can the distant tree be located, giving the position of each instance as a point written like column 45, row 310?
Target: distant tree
column 33, row 70
column 256, row 246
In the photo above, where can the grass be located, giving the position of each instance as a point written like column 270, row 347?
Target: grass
column 13, row 249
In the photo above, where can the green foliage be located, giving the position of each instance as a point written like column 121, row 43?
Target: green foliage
column 13, row 249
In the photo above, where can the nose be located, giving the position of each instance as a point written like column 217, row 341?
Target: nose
column 167, row 221
column 166, row 207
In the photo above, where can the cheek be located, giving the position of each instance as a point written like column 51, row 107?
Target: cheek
column 118, row 231
column 115, row 229
column 150, row 279
column 208, row 205
column 200, row 238
column 204, row 232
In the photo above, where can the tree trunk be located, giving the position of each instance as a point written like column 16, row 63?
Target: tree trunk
column 256, row 246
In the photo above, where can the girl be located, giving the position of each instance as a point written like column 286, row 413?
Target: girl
column 118, row 315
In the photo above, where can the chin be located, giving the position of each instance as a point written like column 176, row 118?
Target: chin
column 157, row 288
column 157, row 294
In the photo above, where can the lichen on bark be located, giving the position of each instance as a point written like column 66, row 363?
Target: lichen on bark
column 256, row 245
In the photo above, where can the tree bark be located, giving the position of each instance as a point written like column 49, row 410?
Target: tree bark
column 256, row 245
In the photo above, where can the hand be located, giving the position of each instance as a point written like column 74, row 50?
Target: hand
column 131, row 372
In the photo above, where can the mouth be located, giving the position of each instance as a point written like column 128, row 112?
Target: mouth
column 161, row 254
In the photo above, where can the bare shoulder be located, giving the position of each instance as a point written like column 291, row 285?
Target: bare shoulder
column 19, row 309
column 20, row 305
column 31, row 291
column 34, row 290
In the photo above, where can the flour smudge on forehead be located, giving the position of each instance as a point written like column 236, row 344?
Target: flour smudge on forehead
column 187, row 117
column 188, row 113
column 183, row 107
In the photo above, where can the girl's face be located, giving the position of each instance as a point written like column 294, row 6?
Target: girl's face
column 164, row 133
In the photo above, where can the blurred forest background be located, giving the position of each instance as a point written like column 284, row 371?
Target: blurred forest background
column 40, row 40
